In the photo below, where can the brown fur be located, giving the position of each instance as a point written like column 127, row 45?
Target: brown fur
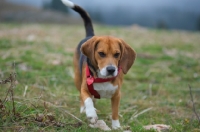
column 110, row 46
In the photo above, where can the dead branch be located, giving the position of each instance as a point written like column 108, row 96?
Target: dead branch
column 11, row 79
column 73, row 116
column 193, row 104
column 6, row 96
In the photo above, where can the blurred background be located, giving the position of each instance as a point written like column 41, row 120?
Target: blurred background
column 38, row 39
column 163, row 14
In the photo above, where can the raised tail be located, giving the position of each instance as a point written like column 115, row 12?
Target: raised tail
column 86, row 18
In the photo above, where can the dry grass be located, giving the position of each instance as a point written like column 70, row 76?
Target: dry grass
column 155, row 90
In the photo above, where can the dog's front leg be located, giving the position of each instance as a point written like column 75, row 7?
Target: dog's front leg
column 115, row 100
column 89, row 106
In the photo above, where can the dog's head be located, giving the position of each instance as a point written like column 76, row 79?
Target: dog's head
column 107, row 54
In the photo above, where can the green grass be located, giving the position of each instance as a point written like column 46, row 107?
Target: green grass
column 167, row 62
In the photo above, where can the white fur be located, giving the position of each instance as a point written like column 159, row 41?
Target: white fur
column 103, row 73
column 115, row 124
column 90, row 110
column 82, row 110
column 68, row 3
column 106, row 89
column 100, row 124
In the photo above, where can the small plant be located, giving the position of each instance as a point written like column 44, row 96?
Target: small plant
column 43, row 119
column 11, row 81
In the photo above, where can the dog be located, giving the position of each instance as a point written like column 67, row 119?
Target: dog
column 100, row 63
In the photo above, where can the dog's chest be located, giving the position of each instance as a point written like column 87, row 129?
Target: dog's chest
column 106, row 89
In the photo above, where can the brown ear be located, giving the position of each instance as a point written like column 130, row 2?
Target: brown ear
column 88, row 48
column 127, row 58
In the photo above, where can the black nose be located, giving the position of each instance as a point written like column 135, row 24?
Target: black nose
column 110, row 69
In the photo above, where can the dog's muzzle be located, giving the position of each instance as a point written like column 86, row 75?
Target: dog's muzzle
column 110, row 70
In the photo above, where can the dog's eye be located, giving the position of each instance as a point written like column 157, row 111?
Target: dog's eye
column 116, row 55
column 102, row 54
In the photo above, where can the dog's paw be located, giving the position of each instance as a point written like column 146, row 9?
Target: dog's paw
column 90, row 111
column 82, row 109
column 91, row 115
column 93, row 120
column 115, row 124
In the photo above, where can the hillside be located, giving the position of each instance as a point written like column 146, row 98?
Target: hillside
column 19, row 13
column 155, row 90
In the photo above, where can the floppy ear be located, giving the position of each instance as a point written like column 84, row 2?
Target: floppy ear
column 88, row 48
column 127, row 58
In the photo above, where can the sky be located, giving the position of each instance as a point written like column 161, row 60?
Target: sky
column 186, row 5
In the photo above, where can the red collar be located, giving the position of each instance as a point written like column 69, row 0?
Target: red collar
column 90, row 80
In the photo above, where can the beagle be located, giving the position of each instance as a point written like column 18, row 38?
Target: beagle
column 99, row 65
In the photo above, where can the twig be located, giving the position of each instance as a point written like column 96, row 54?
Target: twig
column 194, row 109
column 26, row 87
column 142, row 112
column 6, row 96
column 74, row 116
column 12, row 79
column 9, row 79
column 48, row 103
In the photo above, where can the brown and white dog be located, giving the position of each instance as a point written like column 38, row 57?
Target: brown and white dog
column 99, row 65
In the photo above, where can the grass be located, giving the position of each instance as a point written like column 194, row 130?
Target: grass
column 167, row 62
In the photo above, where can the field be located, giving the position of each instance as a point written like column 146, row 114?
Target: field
column 155, row 90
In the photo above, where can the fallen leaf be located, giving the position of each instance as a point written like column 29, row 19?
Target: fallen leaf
column 100, row 124
column 158, row 127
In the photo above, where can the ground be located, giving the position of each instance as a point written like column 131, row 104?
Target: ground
column 155, row 90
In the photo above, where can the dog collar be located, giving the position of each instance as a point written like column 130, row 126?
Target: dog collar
column 90, row 80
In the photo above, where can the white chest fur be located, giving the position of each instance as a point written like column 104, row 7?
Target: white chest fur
column 106, row 89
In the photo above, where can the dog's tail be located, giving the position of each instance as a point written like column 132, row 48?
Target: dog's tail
column 86, row 18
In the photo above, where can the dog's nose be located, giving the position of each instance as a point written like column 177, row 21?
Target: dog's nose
column 110, row 69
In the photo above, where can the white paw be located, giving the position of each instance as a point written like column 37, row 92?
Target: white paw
column 93, row 120
column 115, row 124
column 82, row 109
column 90, row 111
